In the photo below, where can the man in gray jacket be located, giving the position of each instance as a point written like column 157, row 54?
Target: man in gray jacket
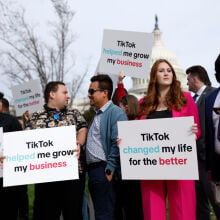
column 199, row 83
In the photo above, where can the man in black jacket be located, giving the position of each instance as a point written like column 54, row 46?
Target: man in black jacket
column 199, row 83
column 212, row 117
column 12, row 198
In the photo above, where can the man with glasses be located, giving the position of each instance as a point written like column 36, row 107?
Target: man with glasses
column 213, row 128
column 102, row 153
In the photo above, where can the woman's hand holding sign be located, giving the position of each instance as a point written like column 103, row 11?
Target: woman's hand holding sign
column 1, row 160
column 78, row 150
column 118, row 142
column 194, row 128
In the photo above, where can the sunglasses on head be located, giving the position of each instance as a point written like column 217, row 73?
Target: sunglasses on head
column 92, row 91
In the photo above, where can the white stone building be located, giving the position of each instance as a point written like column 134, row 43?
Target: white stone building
column 159, row 51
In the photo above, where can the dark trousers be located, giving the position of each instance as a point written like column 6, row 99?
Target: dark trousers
column 103, row 193
column 13, row 202
column 204, row 194
column 129, row 201
column 52, row 199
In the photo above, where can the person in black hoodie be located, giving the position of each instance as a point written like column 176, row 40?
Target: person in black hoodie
column 13, row 200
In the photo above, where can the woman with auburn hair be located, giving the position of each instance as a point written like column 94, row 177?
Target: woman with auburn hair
column 166, row 100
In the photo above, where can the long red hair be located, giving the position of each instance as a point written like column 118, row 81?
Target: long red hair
column 174, row 98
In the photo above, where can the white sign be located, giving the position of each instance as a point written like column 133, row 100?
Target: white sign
column 41, row 155
column 28, row 96
column 1, row 149
column 128, row 51
column 158, row 149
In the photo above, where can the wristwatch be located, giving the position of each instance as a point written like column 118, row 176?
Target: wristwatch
column 108, row 172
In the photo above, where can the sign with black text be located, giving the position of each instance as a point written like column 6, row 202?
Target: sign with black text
column 128, row 51
column 40, row 155
column 158, row 149
column 28, row 96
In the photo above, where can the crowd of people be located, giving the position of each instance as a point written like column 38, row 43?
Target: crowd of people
column 98, row 148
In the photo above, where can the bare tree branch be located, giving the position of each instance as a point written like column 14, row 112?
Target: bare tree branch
column 27, row 57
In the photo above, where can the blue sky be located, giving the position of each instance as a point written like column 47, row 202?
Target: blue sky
column 191, row 28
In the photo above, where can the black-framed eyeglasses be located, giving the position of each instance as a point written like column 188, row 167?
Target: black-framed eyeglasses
column 92, row 91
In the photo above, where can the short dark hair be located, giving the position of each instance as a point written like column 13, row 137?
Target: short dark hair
column 115, row 98
column 200, row 72
column 5, row 103
column 1, row 95
column 105, row 83
column 217, row 68
column 51, row 86
column 217, row 64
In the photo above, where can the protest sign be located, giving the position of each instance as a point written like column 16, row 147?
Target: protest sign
column 27, row 96
column 1, row 149
column 128, row 51
column 41, row 155
column 156, row 149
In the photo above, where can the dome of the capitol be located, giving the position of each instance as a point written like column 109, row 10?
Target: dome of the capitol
column 159, row 51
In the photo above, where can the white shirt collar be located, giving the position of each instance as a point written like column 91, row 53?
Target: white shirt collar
column 200, row 91
column 104, row 107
